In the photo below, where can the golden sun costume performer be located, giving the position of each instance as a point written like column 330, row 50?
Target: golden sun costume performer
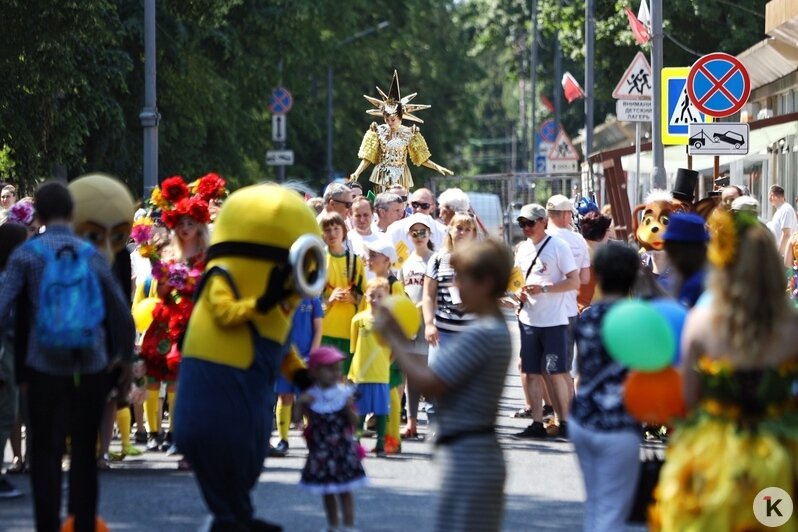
column 258, row 269
column 387, row 146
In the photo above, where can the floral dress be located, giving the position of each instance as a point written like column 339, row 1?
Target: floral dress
column 333, row 465
column 160, row 347
column 742, row 438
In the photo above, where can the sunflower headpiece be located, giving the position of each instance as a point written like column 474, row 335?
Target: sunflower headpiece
column 725, row 231
column 393, row 103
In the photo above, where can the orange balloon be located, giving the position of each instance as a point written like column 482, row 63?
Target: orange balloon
column 69, row 525
column 654, row 398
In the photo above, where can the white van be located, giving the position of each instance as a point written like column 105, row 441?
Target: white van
column 488, row 208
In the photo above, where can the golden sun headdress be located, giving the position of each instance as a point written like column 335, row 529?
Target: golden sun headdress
column 393, row 103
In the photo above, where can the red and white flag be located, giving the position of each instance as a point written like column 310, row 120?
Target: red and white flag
column 571, row 88
column 644, row 15
column 639, row 29
column 547, row 103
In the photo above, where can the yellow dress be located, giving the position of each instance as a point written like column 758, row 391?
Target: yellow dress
column 388, row 152
column 742, row 438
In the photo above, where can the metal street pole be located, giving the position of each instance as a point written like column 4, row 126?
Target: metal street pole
column 330, row 75
column 590, row 37
column 658, row 177
column 533, row 82
column 149, row 114
column 557, row 80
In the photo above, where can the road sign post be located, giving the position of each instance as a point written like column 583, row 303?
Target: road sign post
column 563, row 157
column 678, row 111
column 718, row 138
column 280, row 157
column 635, row 84
column 279, row 127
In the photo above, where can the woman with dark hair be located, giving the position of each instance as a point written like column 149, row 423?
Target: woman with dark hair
column 595, row 228
column 605, row 436
column 12, row 235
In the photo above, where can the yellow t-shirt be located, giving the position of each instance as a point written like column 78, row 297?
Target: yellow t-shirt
column 344, row 271
column 372, row 360
column 397, row 289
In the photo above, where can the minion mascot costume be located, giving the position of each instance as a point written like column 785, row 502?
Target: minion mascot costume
column 265, row 254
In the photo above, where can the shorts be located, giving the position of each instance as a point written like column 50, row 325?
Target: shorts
column 283, row 387
column 373, row 398
column 544, row 350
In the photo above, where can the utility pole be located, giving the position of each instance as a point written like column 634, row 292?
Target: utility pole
column 557, row 80
column 533, row 86
column 658, row 176
column 590, row 37
column 149, row 114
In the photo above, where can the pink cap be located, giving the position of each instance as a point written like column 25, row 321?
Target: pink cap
column 324, row 356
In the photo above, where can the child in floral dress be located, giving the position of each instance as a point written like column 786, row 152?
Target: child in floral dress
column 333, row 467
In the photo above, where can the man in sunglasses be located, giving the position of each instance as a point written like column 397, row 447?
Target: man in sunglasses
column 550, row 275
column 422, row 202
column 337, row 198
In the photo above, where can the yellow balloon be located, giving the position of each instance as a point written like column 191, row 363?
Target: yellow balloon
column 142, row 313
column 405, row 312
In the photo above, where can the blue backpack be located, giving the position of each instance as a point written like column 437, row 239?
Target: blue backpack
column 71, row 303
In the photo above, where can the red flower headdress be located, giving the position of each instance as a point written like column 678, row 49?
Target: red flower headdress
column 176, row 199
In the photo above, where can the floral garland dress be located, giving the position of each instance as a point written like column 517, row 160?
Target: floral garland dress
column 333, row 465
column 742, row 438
column 160, row 347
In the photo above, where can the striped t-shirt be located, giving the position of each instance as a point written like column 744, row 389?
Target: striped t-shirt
column 449, row 313
column 473, row 366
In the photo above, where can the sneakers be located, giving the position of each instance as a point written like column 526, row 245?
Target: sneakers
column 282, row 446
column 522, row 413
column 534, row 431
column 563, row 433
column 140, row 437
column 548, row 413
column 168, row 443
column 8, row 490
column 155, row 442
column 392, row 445
column 280, row 451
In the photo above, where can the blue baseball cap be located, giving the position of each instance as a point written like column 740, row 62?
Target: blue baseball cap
column 686, row 227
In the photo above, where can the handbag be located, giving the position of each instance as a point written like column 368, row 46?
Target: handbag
column 652, row 457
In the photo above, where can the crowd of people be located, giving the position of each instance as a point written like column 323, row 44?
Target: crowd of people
column 739, row 362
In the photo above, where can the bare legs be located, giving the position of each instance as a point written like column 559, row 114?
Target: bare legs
column 347, row 507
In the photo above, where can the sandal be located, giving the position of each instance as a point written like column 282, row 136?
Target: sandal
column 522, row 413
column 409, row 434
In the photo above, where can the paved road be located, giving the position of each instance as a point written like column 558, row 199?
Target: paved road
column 543, row 491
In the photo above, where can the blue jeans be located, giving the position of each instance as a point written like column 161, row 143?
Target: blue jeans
column 223, row 418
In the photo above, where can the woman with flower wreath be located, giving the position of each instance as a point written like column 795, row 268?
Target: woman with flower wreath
column 176, row 271
column 740, row 363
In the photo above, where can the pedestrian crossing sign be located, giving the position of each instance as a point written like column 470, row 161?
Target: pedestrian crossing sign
column 678, row 112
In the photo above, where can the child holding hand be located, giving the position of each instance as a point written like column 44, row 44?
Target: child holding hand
column 333, row 467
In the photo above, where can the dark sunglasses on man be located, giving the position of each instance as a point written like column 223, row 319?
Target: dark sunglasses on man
column 420, row 205
column 523, row 223
column 347, row 204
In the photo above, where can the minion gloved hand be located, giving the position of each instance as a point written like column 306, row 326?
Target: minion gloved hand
column 276, row 289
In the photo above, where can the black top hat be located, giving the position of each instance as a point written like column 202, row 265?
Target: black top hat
column 686, row 181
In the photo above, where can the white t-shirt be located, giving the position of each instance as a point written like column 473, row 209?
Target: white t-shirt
column 581, row 255
column 554, row 262
column 783, row 218
column 412, row 275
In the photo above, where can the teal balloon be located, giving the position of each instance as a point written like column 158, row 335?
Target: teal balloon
column 636, row 335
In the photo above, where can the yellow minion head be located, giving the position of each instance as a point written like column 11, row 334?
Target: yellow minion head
column 103, row 213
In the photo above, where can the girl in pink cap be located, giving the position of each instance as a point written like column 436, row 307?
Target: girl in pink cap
column 333, row 467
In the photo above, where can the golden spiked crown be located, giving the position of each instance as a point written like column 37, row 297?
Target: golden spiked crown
column 393, row 103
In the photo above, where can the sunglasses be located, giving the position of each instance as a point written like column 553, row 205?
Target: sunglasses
column 347, row 204
column 526, row 223
column 404, row 199
column 421, row 233
column 420, row 205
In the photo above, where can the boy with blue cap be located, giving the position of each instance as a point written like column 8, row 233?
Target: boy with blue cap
column 686, row 245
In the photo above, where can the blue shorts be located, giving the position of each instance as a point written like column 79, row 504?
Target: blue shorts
column 373, row 398
column 544, row 349
column 282, row 386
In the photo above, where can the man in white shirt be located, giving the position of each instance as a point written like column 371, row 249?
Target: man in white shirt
column 561, row 214
column 783, row 223
column 361, row 224
column 550, row 274
column 389, row 208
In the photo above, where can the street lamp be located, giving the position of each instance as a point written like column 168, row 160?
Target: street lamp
column 149, row 114
column 330, row 76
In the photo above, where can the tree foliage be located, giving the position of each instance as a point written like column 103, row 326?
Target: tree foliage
column 74, row 71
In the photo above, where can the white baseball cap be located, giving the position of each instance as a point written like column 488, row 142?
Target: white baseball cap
column 558, row 202
column 381, row 245
column 418, row 218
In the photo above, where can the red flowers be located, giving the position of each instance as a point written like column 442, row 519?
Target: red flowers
column 211, row 186
column 174, row 189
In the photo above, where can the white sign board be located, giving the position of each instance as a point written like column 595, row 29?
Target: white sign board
column 634, row 110
column 636, row 81
column 561, row 166
column 279, row 126
column 280, row 157
column 718, row 138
